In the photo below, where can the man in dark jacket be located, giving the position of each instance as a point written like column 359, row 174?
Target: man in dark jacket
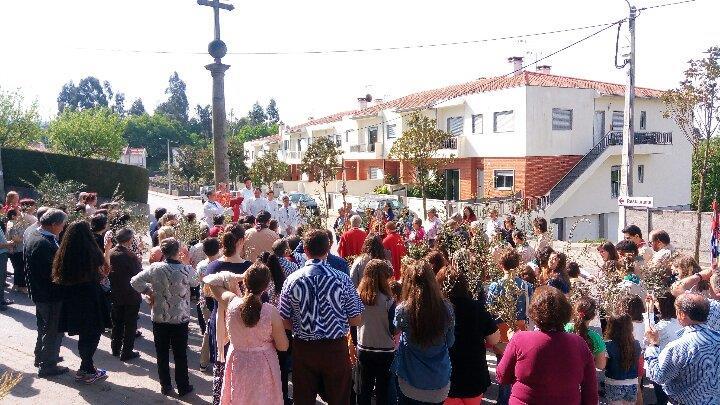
column 124, row 265
column 39, row 250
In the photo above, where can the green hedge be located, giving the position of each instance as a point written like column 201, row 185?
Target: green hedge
column 100, row 176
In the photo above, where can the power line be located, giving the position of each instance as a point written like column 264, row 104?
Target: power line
column 666, row 5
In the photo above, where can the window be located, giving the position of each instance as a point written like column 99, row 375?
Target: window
column 562, row 119
column 347, row 135
column 372, row 134
column 618, row 119
column 503, row 121
column 455, row 126
column 391, row 131
column 299, row 144
column 643, row 120
column 641, row 173
column 615, row 181
column 477, row 124
column 375, row 173
column 286, row 145
column 338, row 140
column 504, row 179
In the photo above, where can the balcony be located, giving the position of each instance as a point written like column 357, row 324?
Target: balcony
column 642, row 138
column 363, row 148
column 451, row 143
column 290, row 155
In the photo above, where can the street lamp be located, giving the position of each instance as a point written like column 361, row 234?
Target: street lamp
column 169, row 164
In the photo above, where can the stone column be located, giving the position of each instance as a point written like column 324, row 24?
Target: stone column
column 220, row 148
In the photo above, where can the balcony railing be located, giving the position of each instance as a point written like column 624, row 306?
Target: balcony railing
column 293, row 154
column 451, row 143
column 363, row 148
column 642, row 138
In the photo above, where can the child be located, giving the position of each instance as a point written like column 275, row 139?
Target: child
column 624, row 355
column 584, row 311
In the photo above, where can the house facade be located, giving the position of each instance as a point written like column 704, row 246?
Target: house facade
column 134, row 156
column 551, row 139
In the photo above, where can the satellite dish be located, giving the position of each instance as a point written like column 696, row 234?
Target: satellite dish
column 368, row 98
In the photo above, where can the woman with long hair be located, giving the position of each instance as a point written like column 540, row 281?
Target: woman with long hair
column 468, row 215
column 255, row 330
column 426, row 323
column 474, row 329
column 372, row 248
column 277, row 276
column 547, row 365
column 85, row 311
column 166, row 232
column 608, row 252
column 584, row 311
column 558, row 276
column 436, row 259
column 624, row 353
column 375, row 344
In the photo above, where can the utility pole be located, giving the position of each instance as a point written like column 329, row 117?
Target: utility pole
column 217, row 49
column 628, row 145
column 169, row 165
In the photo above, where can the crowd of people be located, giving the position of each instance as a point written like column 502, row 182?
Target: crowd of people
column 376, row 321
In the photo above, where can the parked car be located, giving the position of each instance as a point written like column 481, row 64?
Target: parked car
column 298, row 199
column 376, row 202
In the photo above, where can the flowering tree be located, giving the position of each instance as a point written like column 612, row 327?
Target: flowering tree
column 320, row 161
column 418, row 146
column 695, row 107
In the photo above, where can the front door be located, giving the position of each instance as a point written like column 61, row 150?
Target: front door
column 452, row 184
column 480, row 183
column 598, row 126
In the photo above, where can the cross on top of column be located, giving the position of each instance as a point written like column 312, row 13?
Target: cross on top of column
column 216, row 5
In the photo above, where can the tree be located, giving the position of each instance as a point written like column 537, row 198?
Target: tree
column 712, row 176
column 119, row 106
column 19, row 124
column 320, row 161
column 418, row 146
column 177, row 105
column 137, row 107
column 695, row 107
column 89, row 93
column 152, row 132
column 93, row 133
column 253, row 132
column 202, row 122
column 273, row 115
column 236, row 157
column 194, row 163
column 268, row 169
column 257, row 115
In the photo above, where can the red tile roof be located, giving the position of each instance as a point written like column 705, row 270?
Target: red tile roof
column 324, row 120
column 133, row 151
column 269, row 138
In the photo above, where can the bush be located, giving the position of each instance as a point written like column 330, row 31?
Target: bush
column 21, row 167
column 384, row 189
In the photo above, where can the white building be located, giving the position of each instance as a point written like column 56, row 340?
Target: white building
column 553, row 139
column 134, row 156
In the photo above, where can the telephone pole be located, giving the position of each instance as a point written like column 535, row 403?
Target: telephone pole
column 628, row 145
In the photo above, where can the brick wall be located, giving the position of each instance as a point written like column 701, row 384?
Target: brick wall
column 492, row 164
column 468, row 175
column 363, row 170
column 543, row 172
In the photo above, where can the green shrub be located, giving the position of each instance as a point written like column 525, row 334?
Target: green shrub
column 383, row 189
column 21, row 167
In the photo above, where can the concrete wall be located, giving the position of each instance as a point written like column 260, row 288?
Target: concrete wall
column 355, row 187
column 680, row 225
column 489, row 143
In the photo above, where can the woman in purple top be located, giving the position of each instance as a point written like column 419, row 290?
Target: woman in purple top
column 549, row 366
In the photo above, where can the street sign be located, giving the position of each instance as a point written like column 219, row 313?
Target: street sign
column 645, row 202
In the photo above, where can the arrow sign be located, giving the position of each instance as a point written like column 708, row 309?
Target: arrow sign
column 646, row 202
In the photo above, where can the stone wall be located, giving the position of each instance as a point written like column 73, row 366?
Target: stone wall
column 680, row 225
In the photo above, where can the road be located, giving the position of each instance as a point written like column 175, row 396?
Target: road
column 188, row 205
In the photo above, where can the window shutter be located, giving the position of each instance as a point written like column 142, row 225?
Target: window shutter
column 561, row 119
column 455, row 126
column 618, row 119
column 504, row 121
column 477, row 124
column 391, row 131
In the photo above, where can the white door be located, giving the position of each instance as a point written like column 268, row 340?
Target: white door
column 598, row 126
column 480, row 183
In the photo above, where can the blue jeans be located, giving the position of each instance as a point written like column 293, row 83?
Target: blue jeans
column 3, row 275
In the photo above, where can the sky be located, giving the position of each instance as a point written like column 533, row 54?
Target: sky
column 48, row 43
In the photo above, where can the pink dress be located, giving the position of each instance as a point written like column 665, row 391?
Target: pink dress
column 252, row 370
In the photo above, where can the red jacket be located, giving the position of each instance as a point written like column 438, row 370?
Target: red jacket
column 396, row 245
column 351, row 242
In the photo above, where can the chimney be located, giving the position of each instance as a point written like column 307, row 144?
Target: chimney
column 364, row 101
column 543, row 69
column 517, row 64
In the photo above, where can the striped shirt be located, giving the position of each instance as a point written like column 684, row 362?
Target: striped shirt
column 319, row 301
column 287, row 266
column 689, row 367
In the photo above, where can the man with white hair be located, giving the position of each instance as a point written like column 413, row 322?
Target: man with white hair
column 351, row 242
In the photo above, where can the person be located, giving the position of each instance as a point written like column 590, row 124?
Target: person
column 417, row 235
column 396, row 245
column 627, row 249
column 527, row 253
column 12, row 202
column 388, row 211
column 372, row 249
column 493, row 225
column 468, row 215
column 85, row 312
column 39, row 249
column 542, row 236
column 431, row 233
column 4, row 246
column 124, row 265
column 196, row 252
column 436, row 259
column 684, row 266
column 255, row 330
column 509, row 261
column 272, row 204
column 211, row 249
column 254, row 205
column 375, row 337
column 507, row 230
column 231, row 261
column 247, row 191
column 277, row 276
column 668, row 329
column 475, row 329
column 351, row 242
column 167, row 285
column 288, row 217
column 260, row 238
column 90, row 203
column 584, row 311
column 634, row 234
column 212, row 208
column 155, row 224
column 624, row 353
column 340, row 224
column 281, row 248
column 217, row 227
column 17, row 224
column 660, row 242
column 427, row 332
column 156, row 254
column 685, row 366
column 557, row 276
column 546, row 366
column 320, row 354
column 334, row 261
